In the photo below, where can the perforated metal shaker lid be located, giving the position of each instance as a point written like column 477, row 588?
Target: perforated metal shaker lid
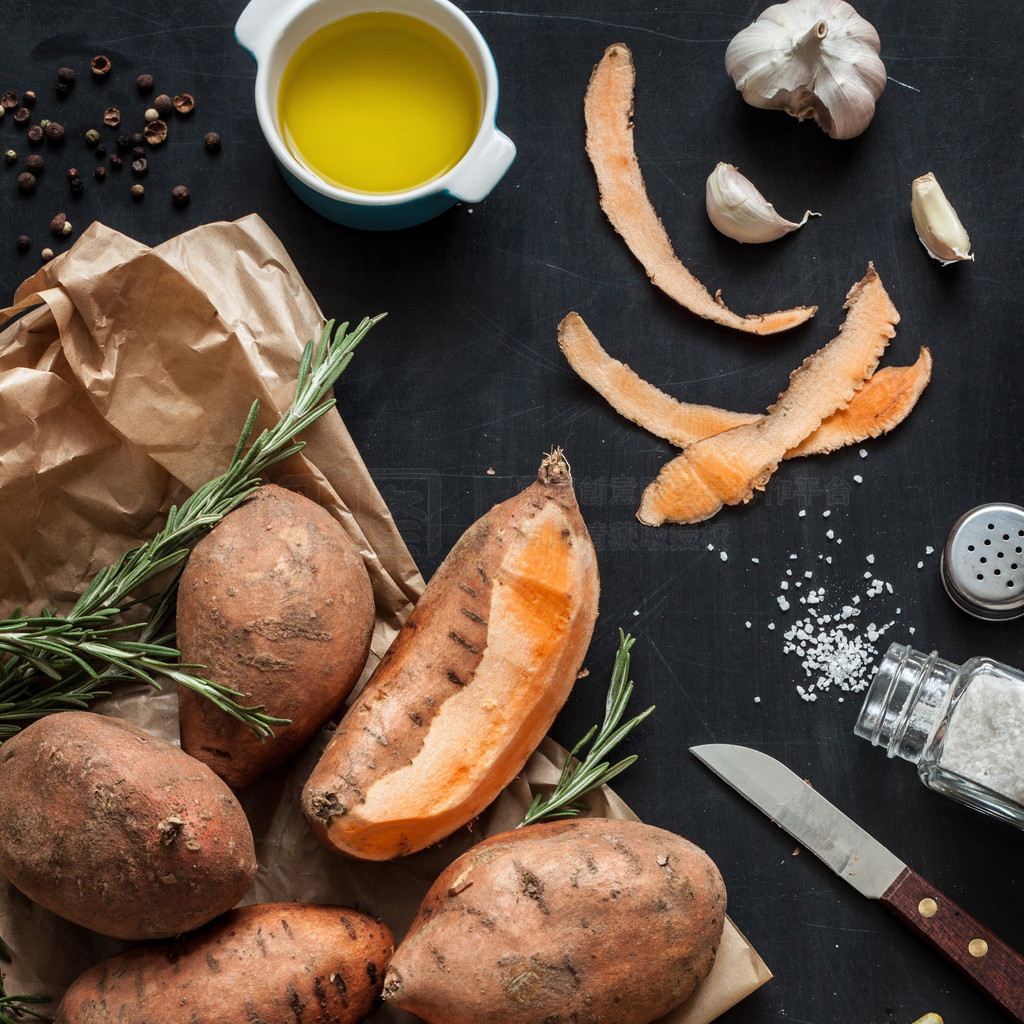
column 983, row 562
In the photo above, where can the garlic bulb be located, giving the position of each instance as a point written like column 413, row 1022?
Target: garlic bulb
column 738, row 210
column 811, row 58
column 937, row 224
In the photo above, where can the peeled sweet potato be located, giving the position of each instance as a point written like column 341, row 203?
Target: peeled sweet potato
column 581, row 921
column 117, row 830
column 470, row 685
column 296, row 962
column 275, row 603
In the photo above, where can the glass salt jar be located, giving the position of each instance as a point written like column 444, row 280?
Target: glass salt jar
column 962, row 725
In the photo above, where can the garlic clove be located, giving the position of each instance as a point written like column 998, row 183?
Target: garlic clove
column 739, row 211
column 937, row 224
column 811, row 58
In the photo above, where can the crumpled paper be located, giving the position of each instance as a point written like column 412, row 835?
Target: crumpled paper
column 125, row 379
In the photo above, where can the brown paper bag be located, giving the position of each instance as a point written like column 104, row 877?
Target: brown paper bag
column 124, row 383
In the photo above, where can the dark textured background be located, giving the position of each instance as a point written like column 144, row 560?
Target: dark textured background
column 465, row 376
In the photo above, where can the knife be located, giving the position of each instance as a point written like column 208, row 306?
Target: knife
column 871, row 869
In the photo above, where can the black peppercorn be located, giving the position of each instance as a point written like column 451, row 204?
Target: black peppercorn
column 77, row 187
column 61, row 88
column 34, row 163
column 138, row 139
column 156, row 132
column 138, row 152
column 115, row 161
column 163, row 105
column 22, row 115
column 35, row 134
column 26, row 181
column 140, row 166
column 59, row 225
column 145, row 83
column 124, row 143
column 66, row 75
column 24, row 243
column 54, row 133
column 101, row 151
column 9, row 100
column 212, row 142
column 179, row 195
column 28, row 98
column 100, row 173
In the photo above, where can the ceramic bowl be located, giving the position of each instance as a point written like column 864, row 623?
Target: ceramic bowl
column 272, row 30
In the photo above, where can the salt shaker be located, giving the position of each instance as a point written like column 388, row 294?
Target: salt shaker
column 962, row 725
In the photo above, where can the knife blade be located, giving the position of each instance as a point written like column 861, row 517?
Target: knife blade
column 872, row 870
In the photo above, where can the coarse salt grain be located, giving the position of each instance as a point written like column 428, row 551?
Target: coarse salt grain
column 857, row 478
column 834, row 653
column 723, row 556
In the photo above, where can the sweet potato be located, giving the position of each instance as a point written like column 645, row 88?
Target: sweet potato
column 117, row 830
column 470, row 685
column 608, row 108
column 726, row 468
column 296, row 962
column 584, row 921
column 275, row 603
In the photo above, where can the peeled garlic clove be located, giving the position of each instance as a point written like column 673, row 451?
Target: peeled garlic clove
column 811, row 58
column 937, row 224
column 738, row 210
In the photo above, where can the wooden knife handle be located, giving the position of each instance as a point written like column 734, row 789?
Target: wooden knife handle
column 992, row 965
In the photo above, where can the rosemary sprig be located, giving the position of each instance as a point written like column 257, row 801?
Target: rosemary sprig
column 581, row 777
column 51, row 662
column 14, row 1009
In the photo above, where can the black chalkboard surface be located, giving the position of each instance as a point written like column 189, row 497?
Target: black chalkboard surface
column 463, row 388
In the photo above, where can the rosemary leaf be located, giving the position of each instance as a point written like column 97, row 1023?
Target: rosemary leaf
column 580, row 777
column 50, row 662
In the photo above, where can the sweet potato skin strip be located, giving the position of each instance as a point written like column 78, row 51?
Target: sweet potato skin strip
column 882, row 403
column 728, row 467
column 884, row 400
column 608, row 110
column 681, row 423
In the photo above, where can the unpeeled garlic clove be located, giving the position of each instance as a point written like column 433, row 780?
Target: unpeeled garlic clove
column 937, row 224
column 811, row 58
column 738, row 210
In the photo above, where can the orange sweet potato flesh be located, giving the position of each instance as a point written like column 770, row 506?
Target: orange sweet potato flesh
column 117, row 830
column 296, row 962
column 882, row 403
column 470, row 685
column 275, row 603
column 608, row 110
column 728, row 467
column 884, row 400
column 591, row 921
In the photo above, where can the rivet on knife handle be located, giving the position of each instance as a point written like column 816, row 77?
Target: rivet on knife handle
column 983, row 957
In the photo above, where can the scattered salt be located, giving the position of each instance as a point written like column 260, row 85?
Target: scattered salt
column 826, row 513
column 723, row 556
column 857, row 478
column 863, row 453
column 802, row 513
column 870, row 559
column 830, row 534
column 783, row 603
column 929, row 550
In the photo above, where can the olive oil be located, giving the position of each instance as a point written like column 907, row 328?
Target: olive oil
column 379, row 102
